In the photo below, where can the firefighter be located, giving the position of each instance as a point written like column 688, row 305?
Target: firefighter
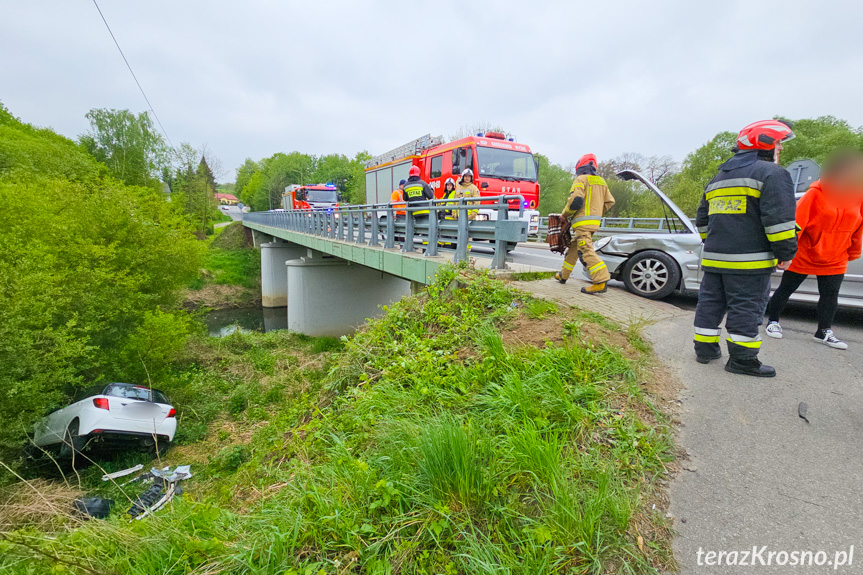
column 397, row 199
column 588, row 201
column 417, row 193
column 467, row 189
column 448, row 194
column 747, row 221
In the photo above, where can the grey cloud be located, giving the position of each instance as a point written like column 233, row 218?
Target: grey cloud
column 254, row 78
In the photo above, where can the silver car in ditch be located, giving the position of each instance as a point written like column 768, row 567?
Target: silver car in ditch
column 657, row 256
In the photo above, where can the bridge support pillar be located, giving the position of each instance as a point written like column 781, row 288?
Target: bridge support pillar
column 260, row 238
column 274, row 283
column 332, row 297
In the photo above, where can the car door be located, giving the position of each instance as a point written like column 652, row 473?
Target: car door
column 852, row 287
column 55, row 426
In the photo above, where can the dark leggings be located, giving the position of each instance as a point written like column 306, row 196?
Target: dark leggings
column 828, row 297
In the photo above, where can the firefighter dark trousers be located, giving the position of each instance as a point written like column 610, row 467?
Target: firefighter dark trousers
column 583, row 243
column 741, row 299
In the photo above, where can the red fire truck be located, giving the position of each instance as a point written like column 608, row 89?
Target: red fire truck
column 311, row 197
column 500, row 166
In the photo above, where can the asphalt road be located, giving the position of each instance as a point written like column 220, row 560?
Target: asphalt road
column 757, row 476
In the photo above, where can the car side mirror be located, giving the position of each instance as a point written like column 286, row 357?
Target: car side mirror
column 484, row 185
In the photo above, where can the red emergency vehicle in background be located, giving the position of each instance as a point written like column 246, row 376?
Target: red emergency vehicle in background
column 500, row 166
column 311, row 197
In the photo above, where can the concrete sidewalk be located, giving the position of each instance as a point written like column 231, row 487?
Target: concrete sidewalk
column 757, row 474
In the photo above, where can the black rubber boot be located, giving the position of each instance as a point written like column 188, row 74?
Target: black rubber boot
column 751, row 367
column 559, row 278
column 707, row 358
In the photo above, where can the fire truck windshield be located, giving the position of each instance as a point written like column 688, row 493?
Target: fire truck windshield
column 506, row 164
column 322, row 196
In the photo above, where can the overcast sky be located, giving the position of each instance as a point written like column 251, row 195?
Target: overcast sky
column 253, row 78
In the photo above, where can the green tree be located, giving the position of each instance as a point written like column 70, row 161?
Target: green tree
column 128, row 144
column 686, row 187
column 355, row 187
column 816, row 138
column 555, row 183
column 244, row 174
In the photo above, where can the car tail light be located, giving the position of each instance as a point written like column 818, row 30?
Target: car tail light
column 172, row 413
column 101, row 403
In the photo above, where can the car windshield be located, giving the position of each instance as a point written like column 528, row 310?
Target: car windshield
column 322, row 196
column 129, row 391
column 505, row 164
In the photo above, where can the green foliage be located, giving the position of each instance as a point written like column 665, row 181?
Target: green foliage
column 686, row 187
column 555, row 183
column 87, row 265
column 154, row 344
column 240, row 267
column 193, row 187
column 816, row 138
column 128, row 144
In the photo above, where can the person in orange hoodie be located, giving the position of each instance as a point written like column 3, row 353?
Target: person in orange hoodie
column 830, row 223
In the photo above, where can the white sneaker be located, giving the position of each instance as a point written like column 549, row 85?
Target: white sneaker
column 773, row 329
column 831, row 340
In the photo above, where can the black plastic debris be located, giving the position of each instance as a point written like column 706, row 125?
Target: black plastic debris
column 801, row 411
column 95, row 507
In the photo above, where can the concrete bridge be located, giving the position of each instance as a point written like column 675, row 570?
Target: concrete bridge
column 333, row 269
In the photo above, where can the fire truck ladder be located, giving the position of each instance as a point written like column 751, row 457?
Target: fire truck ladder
column 410, row 149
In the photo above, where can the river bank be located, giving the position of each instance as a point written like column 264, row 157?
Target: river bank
column 231, row 274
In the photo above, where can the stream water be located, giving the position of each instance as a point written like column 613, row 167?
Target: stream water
column 224, row 322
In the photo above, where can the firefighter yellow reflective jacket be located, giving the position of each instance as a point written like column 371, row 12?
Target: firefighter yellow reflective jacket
column 747, row 217
column 591, row 199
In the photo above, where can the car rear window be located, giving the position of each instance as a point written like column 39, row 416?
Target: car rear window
column 135, row 392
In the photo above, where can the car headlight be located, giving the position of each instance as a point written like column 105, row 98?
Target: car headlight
column 601, row 243
column 534, row 218
column 482, row 217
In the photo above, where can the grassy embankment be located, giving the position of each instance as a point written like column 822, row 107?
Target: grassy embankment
column 231, row 276
column 470, row 430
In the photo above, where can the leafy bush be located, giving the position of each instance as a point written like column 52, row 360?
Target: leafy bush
column 90, row 268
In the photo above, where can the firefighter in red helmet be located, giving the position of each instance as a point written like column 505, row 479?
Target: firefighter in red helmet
column 417, row 193
column 589, row 199
column 747, row 222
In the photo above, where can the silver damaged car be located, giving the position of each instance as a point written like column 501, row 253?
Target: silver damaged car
column 656, row 257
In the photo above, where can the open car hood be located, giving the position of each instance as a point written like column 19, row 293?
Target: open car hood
column 684, row 219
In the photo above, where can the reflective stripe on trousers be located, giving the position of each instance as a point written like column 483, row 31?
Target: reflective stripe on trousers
column 741, row 300
column 583, row 243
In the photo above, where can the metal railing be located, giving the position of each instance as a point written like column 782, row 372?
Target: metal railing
column 378, row 225
column 622, row 225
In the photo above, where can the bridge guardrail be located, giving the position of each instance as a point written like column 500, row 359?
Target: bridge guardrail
column 377, row 224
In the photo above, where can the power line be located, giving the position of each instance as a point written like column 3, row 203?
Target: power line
column 117, row 44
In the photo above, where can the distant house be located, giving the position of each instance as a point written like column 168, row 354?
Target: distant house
column 226, row 199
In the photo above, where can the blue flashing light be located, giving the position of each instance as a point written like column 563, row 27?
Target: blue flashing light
column 512, row 139
column 525, row 204
column 479, row 134
column 329, row 210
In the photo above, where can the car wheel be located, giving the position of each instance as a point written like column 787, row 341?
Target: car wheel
column 72, row 442
column 651, row 274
